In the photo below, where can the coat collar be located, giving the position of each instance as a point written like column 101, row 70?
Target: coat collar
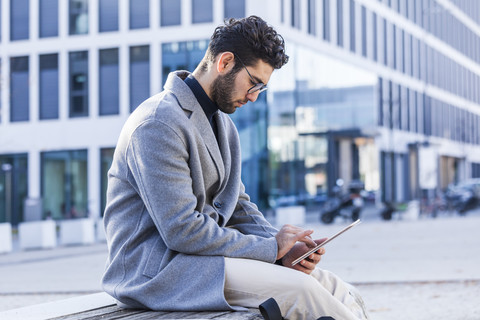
column 189, row 103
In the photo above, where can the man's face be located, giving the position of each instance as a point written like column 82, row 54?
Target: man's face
column 230, row 91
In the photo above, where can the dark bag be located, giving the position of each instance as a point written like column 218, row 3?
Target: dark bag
column 271, row 311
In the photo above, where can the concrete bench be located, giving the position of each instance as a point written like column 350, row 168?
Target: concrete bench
column 102, row 306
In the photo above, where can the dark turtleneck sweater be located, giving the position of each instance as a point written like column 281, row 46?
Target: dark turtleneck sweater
column 208, row 106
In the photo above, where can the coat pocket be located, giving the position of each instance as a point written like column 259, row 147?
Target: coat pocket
column 154, row 259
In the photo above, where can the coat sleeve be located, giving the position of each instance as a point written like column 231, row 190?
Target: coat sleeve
column 248, row 219
column 158, row 162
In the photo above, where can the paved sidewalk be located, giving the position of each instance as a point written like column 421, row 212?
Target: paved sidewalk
column 425, row 269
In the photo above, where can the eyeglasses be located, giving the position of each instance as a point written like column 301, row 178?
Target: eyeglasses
column 258, row 86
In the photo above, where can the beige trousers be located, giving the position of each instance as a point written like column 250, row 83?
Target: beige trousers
column 248, row 283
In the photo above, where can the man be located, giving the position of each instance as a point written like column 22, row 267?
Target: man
column 182, row 233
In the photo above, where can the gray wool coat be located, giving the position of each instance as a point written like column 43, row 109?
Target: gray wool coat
column 176, row 207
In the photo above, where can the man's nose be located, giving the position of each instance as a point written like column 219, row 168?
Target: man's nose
column 253, row 96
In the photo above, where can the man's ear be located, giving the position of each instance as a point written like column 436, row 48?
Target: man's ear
column 225, row 62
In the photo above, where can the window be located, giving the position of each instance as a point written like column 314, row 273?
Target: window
column 20, row 22
column 48, row 86
column 312, row 17
column 48, row 18
column 13, row 187
column 411, row 10
column 139, row 75
column 364, row 31
column 78, row 17
column 182, row 56
column 171, row 13
column 234, row 8
column 405, row 108
column 352, row 26
column 326, row 20
column 380, row 102
column 386, row 42
column 375, row 37
column 397, row 48
column 282, row 11
column 475, row 170
column 64, row 183
column 202, row 11
column 139, row 14
column 388, row 104
column 78, row 75
column 107, row 15
column 420, row 112
column 108, row 82
column 295, row 14
column 391, row 43
column 412, row 105
column 19, row 89
column 340, row 23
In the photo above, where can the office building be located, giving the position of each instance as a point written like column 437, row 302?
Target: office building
column 382, row 91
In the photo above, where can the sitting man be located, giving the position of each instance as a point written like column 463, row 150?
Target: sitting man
column 182, row 233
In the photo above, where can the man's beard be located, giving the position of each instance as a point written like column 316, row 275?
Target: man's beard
column 222, row 90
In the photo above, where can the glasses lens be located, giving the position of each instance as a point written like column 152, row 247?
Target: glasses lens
column 260, row 87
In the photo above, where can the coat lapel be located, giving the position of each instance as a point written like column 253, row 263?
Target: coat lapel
column 188, row 102
column 224, row 147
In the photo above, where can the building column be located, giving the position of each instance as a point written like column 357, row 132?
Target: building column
column 34, row 174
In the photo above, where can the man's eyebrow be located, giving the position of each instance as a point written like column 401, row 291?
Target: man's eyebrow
column 257, row 79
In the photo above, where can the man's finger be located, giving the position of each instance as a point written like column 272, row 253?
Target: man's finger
column 304, row 237
column 318, row 241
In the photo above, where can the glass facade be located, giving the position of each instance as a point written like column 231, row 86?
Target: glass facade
column 48, row 85
column 170, row 13
column 109, row 87
column 139, row 75
column 78, row 79
column 78, row 16
column 314, row 111
column 64, row 184
column 19, row 19
column 13, row 187
column 48, row 18
column 182, row 56
column 139, row 14
column 107, row 15
column 19, row 89
column 252, row 129
column 202, row 11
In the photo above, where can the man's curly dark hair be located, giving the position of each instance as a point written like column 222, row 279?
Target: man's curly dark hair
column 250, row 39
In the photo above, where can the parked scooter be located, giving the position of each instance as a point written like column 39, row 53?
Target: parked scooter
column 348, row 205
column 464, row 196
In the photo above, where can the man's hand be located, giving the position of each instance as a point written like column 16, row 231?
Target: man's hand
column 308, row 264
column 288, row 236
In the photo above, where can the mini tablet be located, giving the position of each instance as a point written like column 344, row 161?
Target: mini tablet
column 325, row 242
